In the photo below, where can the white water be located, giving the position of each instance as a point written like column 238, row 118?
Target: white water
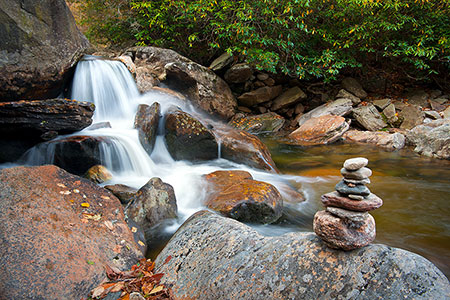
column 110, row 86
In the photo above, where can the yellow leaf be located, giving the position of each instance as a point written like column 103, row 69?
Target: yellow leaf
column 133, row 229
column 141, row 243
column 159, row 288
column 85, row 204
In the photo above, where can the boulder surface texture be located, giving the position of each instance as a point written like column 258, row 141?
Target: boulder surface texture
column 58, row 232
column 212, row 257
column 40, row 44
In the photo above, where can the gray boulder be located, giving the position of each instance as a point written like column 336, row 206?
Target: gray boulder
column 288, row 98
column 431, row 139
column 340, row 107
column 146, row 122
column 212, row 257
column 386, row 140
column 344, row 94
column 369, row 117
column 40, row 44
column 353, row 86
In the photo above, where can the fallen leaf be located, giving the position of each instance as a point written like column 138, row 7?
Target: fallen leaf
column 109, row 225
column 141, row 243
column 61, row 185
column 98, row 292
column 125, row 297
column 158, row 276
column 167, row 259
column 118, row 287
column 133, row 229
column 105, row 197
column 76, row 191
column 95, row 217
column 65, row 192
column 147, row 288
column 159, row 288
column 85, row 204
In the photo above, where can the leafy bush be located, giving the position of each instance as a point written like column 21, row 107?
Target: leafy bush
column 302, row 38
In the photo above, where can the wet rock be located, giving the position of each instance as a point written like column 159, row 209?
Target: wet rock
column 146, row 122
column 322, row 130
column 268, row 122
column 347, row 95
column 334, row 199
column 340, row 107
column 197, row 83
column 288, row 98
column 153, row 203
column 100, row 125
column 382, row 103
column 431, row 139
column 359, row 174
column 342, row 233
column 354, row 189
column 128, row 62
column 146, row 79
column 123, row 192
column 40, row 46
column 98, row 174
column 219, row 258
column 244, row 148
column 58, row 233
column 389, row 141
column 187, row 138
column 168, row 92
column 354, row 87
column 390, row 114
column 238, row 73
column 260, row 95
column 412, row 116
column 356, row 163
column 221, row 62
column 236, row 195
column 369, row 117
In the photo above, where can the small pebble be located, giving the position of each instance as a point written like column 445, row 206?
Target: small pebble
column 356, row 163
column 356, row 197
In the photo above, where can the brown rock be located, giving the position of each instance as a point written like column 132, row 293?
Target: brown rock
column 260, row 95
column 167, row 91
column 322, row 130
column 369, row 117
column 98, row 174
column 221, row 62
column 289, row 97
column 123, row 192
column 339, row 233
column 58, row 233
column 412, row 116
column 347, row 95
column 371, row 202
column 145, row 79
column 146, row 122
column 339, row 107
column 269, row 122
column 238, row 73
column 235, row 194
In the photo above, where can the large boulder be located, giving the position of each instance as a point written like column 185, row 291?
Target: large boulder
column 340, row 107
column 211, row 257
column 153, row 203
column 369, row 117
column 431, row 139
column 58, row 233
column 322, row 130
column 26, row 123
column 40, row 45
column 146, row 122
column 268, row 122
column 386, row 140
column 187, row 138
column 198, row 83
column 237, row 195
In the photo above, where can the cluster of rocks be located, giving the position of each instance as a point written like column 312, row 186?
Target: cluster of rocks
column 346, row 223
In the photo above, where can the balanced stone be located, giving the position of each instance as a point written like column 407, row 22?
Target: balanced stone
column 371, row 202
column 353, row 216
column 354, row 189
column 338, row 233
column 355, row 181
column 356, row 197
column 356, row 163
column 360, row 174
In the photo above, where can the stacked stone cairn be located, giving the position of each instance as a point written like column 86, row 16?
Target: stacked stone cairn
column 346, row 223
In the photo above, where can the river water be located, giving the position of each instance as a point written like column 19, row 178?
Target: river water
column 415, row 190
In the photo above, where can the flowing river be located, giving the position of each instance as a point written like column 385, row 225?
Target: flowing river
column 415, row 214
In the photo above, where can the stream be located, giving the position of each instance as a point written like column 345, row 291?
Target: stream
column 415, row 214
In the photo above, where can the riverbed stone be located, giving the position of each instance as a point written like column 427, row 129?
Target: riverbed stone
column 353, row 164
column 356, row 197
column 146, row 122
column 335, row 199
column 238, row 73
column 145, row 79
column 321, row 130
column 390, row 114
column 386, row 140
column 355, row 181
column 353, row 86
column 412, row 116
column 432, row 114
column 288, row 98
column 431, row 139
column 58, row 232
column 212, row 257
column 237, row 195
column 268, row 122
column 260, row 95
column 369, row 117
column 40, row 46
column 123, row 192
column 343, row 233
column 98, row 174
column 153, row 203
column 187, row 138
column 340, row 107
column 221, row 62
column 356, row 189
column 347, row 95
column 382, row 103
column 359, row 174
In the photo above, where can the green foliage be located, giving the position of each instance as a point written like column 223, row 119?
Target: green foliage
column 302, row 38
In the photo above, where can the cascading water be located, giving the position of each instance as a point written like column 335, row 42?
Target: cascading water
column 110, row 86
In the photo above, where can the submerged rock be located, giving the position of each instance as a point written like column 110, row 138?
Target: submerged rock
column 58, row 233
column 146, row 122
column 237, row 195
column 322, row 130
column 212, row 257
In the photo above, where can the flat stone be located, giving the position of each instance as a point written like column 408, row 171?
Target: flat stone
column 418, row 97
column 345, row 189
column 262, row 76
column 335, row 199
column 431, row 139
column 446, row 113
column 433, row 114
column 382, row 103
column 322, row 130
column 348, row 214
column 340, row 107
column 289, row 97
column 356, row 163
column 338, row 233
column 355, row 181
column 360, row 174
column 436, row 105
column 221, row 62
column 386, row 140
column 356, row 197
column 347, row 95
column 369, row 117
